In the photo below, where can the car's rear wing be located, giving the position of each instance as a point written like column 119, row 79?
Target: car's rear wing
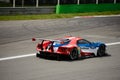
column 42, row 39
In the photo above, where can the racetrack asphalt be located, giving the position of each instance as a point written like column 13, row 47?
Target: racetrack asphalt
column 15, row 39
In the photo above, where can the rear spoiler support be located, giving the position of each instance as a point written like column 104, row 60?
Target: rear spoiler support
column 52, row 41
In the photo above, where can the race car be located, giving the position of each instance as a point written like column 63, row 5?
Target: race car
column 73, row 47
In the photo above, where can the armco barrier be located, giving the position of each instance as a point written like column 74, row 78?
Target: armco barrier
column 86, row 8
column 27, row 10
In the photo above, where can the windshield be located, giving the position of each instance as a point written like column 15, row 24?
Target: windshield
column 62, row 41
column 83, row 41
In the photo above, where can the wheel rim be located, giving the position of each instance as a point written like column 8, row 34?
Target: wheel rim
column 74, row 54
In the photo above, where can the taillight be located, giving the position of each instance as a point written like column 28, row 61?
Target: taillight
column 62, row 49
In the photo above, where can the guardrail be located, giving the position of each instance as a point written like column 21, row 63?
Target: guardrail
column 27, row 10
column 73, row 8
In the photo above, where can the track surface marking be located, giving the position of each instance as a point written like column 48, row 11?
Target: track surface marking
column 33, row 54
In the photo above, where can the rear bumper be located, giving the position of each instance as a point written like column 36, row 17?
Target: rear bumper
column 48, row 55
column 52, row 54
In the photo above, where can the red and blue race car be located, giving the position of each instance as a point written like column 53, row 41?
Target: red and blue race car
column 73, row 47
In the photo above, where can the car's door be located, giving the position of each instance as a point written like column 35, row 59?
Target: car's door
column 86, row 46
column 82, row 43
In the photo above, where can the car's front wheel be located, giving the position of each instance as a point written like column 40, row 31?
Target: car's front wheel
column 74, row 54
column 101, row 51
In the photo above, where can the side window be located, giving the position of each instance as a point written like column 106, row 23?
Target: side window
column 83, row 41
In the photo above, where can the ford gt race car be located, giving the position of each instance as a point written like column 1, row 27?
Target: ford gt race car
column 73, row 47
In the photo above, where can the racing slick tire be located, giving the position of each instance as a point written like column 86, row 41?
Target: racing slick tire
column 101, row 51
column 74, row 54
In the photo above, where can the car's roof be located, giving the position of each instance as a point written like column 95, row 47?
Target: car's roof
column 71, row 37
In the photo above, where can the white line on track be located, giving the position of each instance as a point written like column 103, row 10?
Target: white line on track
column 115, row 43
column 97, row 16
column 33, row 54
column 15, row 57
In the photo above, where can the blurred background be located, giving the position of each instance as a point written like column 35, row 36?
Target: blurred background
column 37, row 3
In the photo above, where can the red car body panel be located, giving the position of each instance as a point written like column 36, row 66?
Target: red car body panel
column 64, row 50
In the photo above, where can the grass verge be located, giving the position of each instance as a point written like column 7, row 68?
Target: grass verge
column 54, row 16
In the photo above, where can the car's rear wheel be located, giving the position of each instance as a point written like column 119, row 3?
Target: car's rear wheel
column 74, row 54
column 101, row 51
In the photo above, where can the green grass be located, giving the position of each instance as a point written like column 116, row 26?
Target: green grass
column 54, row 16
